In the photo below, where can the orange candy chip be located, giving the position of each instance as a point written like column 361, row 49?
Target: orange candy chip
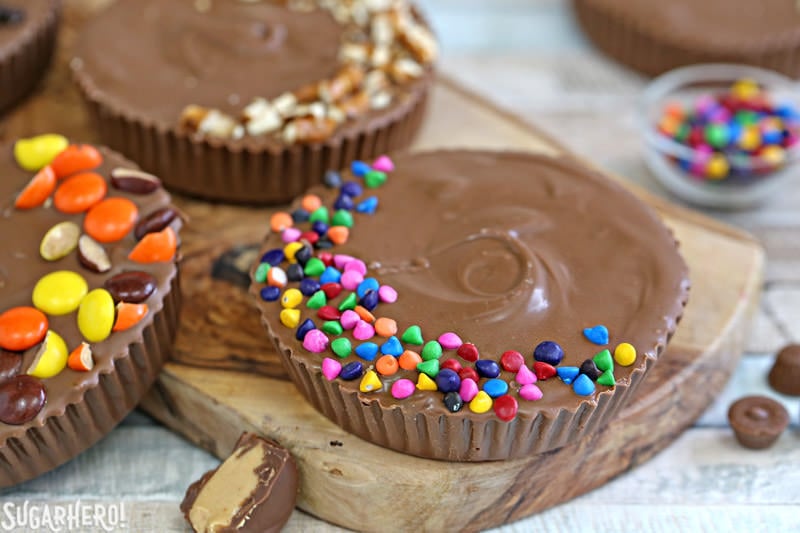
column 338, row 234
column 409, row 360
column 76, row 158
column 81, row 358
column 128, row 315
column 280, row 221
column 385, row 327
column 311, row 202
column 22, row 328
column 387, row 365
column 37, row 190
column 79, row 193
column 364, row 314
column 155, row 247
column 111, row 219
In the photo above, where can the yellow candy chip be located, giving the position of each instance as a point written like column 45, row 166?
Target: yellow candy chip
column 59, row 292
column 290, row 317
column 96, row 315
column 290, row 249
column 750, row 138
column 717, row 167
column 51, row 357
column 291, row 298
column 481, row 403
column 370, row 382
column 425, row 383
column 625, row 354
column 745, row 89
column 34, row 153
column 773, row 155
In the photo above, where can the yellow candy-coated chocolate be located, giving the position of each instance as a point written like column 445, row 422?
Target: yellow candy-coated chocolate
column 625, row 354
column 53, row 357
column 425, row 383
column 745, row 89
column 718, row 167
column 96, row 315
column 773, row 155
column 290, row 317
column 370, row 382
column 481, row 403
column 34, row 153
column 59, row 292
column 750, row 139
column 290, row 249
column 291, row 298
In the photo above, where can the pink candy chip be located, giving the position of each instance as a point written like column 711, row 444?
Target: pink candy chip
column 530, row 392
column 290, row 235
column 349, row 319
column 358, row 265
column 351, row 279
column 525, row 376
column 450, row 341
column 363, row 331
column 468, row 390
column 315, row 341
column 403, row 388
column 387, row 294
column 340, row 260
column 331, row 368
column 383, row 163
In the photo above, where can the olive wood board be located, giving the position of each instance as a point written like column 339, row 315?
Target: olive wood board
column 226, row 377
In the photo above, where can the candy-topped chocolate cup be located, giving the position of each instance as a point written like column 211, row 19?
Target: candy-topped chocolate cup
column 784, row 376
column 81, row 407
column 26, row 48
column 757, row 421
column 506, row 250
column 224, row 59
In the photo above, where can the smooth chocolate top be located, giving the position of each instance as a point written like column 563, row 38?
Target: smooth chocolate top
column 508, row 250
column 716, row 24
column 152, row 58
column 21, row 266
column 253, row 490
column 36, row 13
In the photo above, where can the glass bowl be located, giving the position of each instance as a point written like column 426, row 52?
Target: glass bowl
column 749, row 178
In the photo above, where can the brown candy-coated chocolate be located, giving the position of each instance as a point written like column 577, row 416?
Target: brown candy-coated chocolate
column 155, row 221
column 134, row 181
column 131, row 287
column 21, row 399
column 785, row 374
column 253, row 490
column 757, row 421
column 10, row 364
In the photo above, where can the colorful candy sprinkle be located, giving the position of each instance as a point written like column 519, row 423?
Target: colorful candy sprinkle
column 549, row 352
column 341, row 346
column 331, row 368
column 607, row 379
column 530, row 392
column 447, row 380
column 583, row 386
column 387, row 365
column 424, row 382
column 505, row 407
column 290, row 317
column 512, row 361
column 367, row 351
column 412, row 335
column 495, row 387
column 363, row 331
column 525, row 376
column 450, row 341
column 387, row 294
column 280, row 221
column 568, row 373
column 431, row 367
column 315, row 341
column 383, row 163
column 453, row 402
column 597, row 335
column 543, row 371
column 392, row 346
column 468, row 389
column 431, row 350
column 402, row 388
column 481, row 403
column 352, row 370
column 625, row 354
column 468, row 352
column 409, row 360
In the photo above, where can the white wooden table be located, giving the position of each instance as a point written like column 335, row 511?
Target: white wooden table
column 528, row 57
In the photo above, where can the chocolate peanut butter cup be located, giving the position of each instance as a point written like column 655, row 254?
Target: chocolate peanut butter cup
column 251, row 102
column 88, row 312
column 654, row 37
column 28, row 30
column 469, row 305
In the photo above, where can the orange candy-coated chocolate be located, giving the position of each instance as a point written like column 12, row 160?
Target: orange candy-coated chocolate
column 128, row 315
column 80, row 358
column 76, row 158
column 280, row 221
column 387, row 365
column 22, row 328
column 111, row 220
column 80, row 192
column 155, row 247
column 37, row 190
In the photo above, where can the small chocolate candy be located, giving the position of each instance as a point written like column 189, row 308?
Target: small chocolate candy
column 253, row 490
column 757, row 421
column 155, row 221
column 134, row 181
column 131, row 287
column 10, row 364
column 785, row 374
column 21, row 399
column 589, row 367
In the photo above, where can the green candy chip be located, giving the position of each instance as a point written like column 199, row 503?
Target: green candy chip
column 604, row 361
column 607, row 379
column 319, row 215
column 349, row 303
column 431, row 350
column 430, row 368
column 342, row 217
column 314, row 267
column 261, row 272
column 374, row 179
column 412, row 335
column 317, row 300
column 332, row 327
column 341, row 347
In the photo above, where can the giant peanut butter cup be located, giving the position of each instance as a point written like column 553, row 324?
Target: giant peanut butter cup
column 253, row 101
column 28, row 31
column 653, row 37
column 467, row 305
column 88, row 311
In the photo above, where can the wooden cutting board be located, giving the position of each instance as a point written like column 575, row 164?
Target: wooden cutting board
column 348, row 481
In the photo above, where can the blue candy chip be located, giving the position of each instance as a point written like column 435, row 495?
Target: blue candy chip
column 274, row 257
column 583, row 386
column 352, row 370
column 369, row 284
column 270, row 293
column 330, row 275
column 368, row 206
column 597, row 334
column 344, row 202
column 367, row 351
column 351, row 189
column 568, row 373
column 392, row 347
column 495, row 387
column 309, row 286
column 306, row 326
column 359, row 168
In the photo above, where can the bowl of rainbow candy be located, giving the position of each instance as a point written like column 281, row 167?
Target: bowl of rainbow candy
column 722, row 135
